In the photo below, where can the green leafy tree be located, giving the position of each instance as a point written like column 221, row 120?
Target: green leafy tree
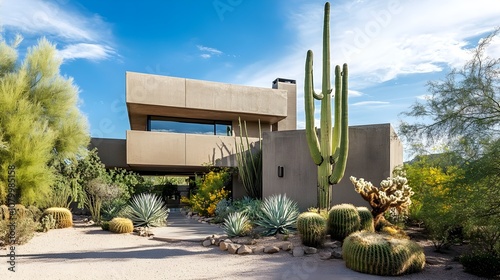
column 39, row 119
column 463, row 110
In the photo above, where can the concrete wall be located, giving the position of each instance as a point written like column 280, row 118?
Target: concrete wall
column 290, row 123
column 179, row 149
column 374, row 151
column 111, row 151
column 178, row 97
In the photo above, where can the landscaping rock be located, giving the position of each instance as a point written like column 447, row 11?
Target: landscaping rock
column 258, row 249
column 233, row 248
column 287, row 246
column 271, row 249
column 332, row 244
column 298, row 252
column 223, row 245
column 310, row 250
column 244, row 250
column 218, row 239
column 244, row 240
column 325, row 255
column 337, row 253
column 207, row 243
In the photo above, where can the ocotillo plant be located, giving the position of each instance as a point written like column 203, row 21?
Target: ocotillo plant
column 330, row 153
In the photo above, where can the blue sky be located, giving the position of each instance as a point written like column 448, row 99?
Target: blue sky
column 393, row 47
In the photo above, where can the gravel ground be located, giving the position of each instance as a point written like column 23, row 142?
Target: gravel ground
column 90, row 253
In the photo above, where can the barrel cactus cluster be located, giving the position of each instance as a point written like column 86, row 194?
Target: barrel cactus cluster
column 63, row 216
column 121, row 225
column 312, row 229
column 379, row 254
column 366, row 219
column 343, row 219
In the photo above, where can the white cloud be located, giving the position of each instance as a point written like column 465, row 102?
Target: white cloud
column 355, row 93
column 87, row 51
column 208, row 49
column 208, row 52
column 371, row 103
column 61, row 23
column 380, row 40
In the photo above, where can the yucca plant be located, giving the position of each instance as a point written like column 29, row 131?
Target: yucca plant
column 147, row 210
column 279, row 214
column 236, row 224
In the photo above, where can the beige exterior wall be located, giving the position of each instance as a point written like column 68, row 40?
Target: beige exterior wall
column 374, row 151
column 177, row 149
column 178, row 97
column 290, row 123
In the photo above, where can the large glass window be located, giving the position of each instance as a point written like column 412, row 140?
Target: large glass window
column 190, row 126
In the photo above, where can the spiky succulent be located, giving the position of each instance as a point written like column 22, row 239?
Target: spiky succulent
column 278, row 214
column 147, row 210
column 236, row 224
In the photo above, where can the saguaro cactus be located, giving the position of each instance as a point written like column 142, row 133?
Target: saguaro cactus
column 330, row 154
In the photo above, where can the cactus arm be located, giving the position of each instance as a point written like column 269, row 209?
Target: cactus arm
column 312, row 137
column 338, row 116
column 340, row 165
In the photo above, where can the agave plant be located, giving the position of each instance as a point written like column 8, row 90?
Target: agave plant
column 236, row 224
column 147, row 210
column 278, row 215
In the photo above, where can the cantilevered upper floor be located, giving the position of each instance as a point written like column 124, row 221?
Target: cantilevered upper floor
column 156, row 97
column 178, row 122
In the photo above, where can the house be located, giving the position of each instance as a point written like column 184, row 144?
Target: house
column 179, row 125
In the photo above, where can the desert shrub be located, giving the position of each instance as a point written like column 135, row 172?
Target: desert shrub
column 35, row 212
column 4, row 212
column 63, row 216
column 113, row 209
column 250, row 207
column 47, row 222
column 98, row 191
column 278, row 214
column 481, row 264
column 236, row 224
column 25, row 230
column 312, row 229
column 378, row 254
column 121, row 225
column 223, row 209
column 210, row 190
column 147, row 210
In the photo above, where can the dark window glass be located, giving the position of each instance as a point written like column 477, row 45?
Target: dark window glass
column 189, row 126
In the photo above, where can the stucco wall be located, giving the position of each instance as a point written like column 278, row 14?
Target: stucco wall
column 374, row 151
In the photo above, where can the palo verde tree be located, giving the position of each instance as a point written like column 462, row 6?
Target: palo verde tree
column 329, row 153
column 39, row 119
column 463, row 110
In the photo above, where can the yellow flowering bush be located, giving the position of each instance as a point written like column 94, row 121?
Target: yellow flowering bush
column 210, row 191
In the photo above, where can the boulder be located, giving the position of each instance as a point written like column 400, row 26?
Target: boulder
column 271, row 249
column 287, row 246
column 244, row 250
column 310, row 250
column 233, row 248
column 223, row 245
column 258, row 249
column 207, row 243
column 325, row 255
column 337, row 253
